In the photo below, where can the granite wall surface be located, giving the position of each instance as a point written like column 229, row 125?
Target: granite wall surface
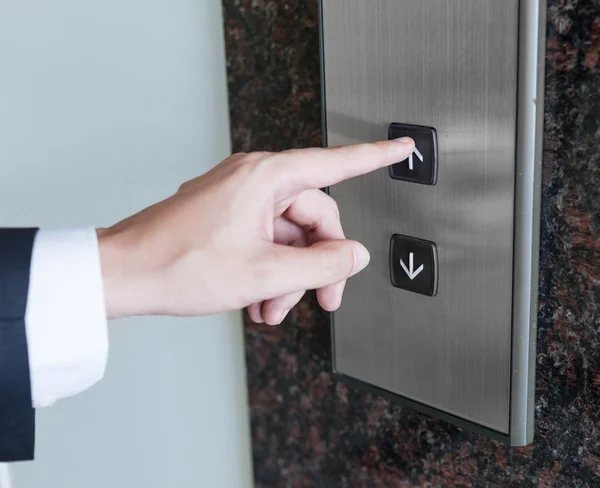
column 310, row 430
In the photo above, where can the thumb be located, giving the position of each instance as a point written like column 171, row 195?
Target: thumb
column 309, row 268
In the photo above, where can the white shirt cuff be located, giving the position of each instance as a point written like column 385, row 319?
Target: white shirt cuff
column 65, row 320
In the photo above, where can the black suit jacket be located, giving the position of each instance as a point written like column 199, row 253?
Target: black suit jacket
column 16, row 412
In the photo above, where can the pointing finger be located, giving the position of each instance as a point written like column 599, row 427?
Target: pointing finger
column 302, row 169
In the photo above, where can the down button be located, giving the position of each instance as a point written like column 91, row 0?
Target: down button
column 414, row 265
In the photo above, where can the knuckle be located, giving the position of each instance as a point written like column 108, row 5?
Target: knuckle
column 239, row 159
column 270, row 166
column 249, row 159
column 249, row 166
column 260, row 168
column 260, row 154
column 334, row 208
column 187, row 185
column 289, row 152
column 235, row 158
column 254, row 157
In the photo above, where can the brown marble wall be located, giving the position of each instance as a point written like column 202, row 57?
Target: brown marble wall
column 309, row 430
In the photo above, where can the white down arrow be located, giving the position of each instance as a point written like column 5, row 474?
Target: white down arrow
column 410, row 271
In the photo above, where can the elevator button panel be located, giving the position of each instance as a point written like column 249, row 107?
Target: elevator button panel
column 422, row 165
column 445, row 325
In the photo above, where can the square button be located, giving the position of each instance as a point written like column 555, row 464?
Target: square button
column 413, row 265
column 421, row 166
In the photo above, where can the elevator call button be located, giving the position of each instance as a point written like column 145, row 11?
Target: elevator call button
column 422, row 165
column 413, row 265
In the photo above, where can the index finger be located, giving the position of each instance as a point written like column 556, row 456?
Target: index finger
column 303, row 169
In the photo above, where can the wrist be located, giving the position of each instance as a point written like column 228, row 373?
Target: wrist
column 125, row 290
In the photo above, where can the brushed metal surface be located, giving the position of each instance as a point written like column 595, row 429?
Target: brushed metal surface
column 451, row 65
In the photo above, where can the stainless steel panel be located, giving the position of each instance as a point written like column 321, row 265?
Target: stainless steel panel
column 451, row 65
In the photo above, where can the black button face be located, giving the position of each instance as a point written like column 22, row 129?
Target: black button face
column 421, row 167
column 413, row 265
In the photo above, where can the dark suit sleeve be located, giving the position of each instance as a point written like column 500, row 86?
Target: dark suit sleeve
column 17, row 418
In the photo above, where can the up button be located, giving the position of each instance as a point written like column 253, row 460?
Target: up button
column 421, row 166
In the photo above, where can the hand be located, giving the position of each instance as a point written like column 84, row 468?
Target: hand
column 254, row 231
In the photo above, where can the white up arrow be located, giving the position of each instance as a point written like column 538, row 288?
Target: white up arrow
column 412, row 274
column 410, row 158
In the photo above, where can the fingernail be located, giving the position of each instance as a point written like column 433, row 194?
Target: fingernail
column 405, row 140
column 285, row 312
column 361, row 258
